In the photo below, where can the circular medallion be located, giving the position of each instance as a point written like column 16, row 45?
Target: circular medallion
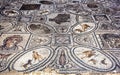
column 93, row 59
column 11, row 12
column 83, row 28
column 38, row 28
column 38, row 58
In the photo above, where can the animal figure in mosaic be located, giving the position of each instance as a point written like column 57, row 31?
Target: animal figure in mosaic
column 78, row 30
column 61, row 18
column 26, row 64
column 11, row 42
column 84, row 27
column 62, row 59
column 88, row 54
column 3, row 57
column 103, row 61
column 93, row 61
column 37, row 56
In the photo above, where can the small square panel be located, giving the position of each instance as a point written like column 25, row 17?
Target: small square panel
column 110, row 41
column 107, row 26
column 11, row 43
column 86, row 40
column 62, row 39
column 100, row 17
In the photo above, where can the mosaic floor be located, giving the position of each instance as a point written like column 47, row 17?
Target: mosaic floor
column 67, row 36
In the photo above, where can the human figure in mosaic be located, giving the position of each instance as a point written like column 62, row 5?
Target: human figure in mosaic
column 36, row 56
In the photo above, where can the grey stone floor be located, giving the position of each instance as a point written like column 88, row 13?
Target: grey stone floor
column 68, row 36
